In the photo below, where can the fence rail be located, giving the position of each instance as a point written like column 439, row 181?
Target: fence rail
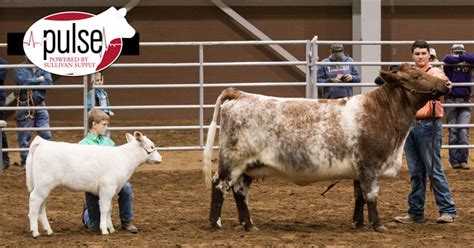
column 311, row 63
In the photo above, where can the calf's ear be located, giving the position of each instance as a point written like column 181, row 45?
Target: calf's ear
column 122, row 12
column 138, row 136
column 129, row 137
column 389, row 77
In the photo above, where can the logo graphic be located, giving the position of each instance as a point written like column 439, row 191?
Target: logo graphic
column 77, row 43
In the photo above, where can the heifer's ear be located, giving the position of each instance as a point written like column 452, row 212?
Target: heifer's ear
column 138, row 136
column 129, row 137
column 405, row 66
column 389, row 77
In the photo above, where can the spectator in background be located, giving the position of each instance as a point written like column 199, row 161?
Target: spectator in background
column 392, row 68
column 423, row 151
column 338, row 73
column 28, row 98
column 101, row 99
column 434, row 58
column 3, row 74
column 458, row 70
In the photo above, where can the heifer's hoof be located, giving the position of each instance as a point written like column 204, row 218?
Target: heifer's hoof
column 251, row 228
column 49, row 232
column 105, row 232
column 215, row 227
column 360, row 226
column 380, row 229
column 35, row 234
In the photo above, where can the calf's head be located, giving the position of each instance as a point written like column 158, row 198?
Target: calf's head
column 420, row 87
column 153, row 157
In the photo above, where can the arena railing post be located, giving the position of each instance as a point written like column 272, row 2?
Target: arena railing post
column 314, row 68
column 309, row 86
column 84, row 98
column 2, row 125
column 201, row 95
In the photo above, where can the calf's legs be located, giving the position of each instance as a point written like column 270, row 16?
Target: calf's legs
column 44, row 219
column 110, row 226
column 37, row 204
column 34, row 205
column 105, row 205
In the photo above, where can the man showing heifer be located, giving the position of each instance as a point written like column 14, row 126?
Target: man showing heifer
column 420, row 151
column 458, row 71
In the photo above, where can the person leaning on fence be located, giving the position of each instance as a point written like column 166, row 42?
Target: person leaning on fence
column 3, row 74
column 98, row 122
column 337, row 73
column 31, row 98
column 434, row 58
column 458, row 68
column 100, row 96
column 421, row 152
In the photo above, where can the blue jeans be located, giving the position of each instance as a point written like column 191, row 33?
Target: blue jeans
column 40, row 118
column 418, row 149
column 458, row 136
column 91, row 215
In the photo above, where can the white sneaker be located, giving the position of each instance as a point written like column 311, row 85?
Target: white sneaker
column 445, row 218
column 408, row 219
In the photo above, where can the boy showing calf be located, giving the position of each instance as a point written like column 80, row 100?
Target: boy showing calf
column 100, row 170
column 98, row 123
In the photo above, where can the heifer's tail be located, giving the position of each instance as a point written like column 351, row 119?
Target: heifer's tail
column 227, row 94
column 29, row 162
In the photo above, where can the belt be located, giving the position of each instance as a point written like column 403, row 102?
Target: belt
column 426, row 120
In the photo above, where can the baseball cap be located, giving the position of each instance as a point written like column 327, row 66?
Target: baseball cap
column 337, row 49
column 394, row 68
column 458, row 48
column 432, row 52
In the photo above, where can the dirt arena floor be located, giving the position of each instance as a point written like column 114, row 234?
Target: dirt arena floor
column 171, row 206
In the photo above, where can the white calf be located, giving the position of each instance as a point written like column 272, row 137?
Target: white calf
column 99, row 170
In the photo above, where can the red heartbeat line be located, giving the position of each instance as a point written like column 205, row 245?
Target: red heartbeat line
column 104, row 42
column 31, row 40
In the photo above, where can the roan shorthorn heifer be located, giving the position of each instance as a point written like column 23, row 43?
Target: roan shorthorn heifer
column 303, row 140
column 99, row 170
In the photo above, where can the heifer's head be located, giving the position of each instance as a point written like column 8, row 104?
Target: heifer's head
column 153, row 157
column 418, row 85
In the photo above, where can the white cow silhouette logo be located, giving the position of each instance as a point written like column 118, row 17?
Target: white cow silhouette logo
column 77, row 43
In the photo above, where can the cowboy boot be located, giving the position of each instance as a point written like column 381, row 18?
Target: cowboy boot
column 129, row 227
